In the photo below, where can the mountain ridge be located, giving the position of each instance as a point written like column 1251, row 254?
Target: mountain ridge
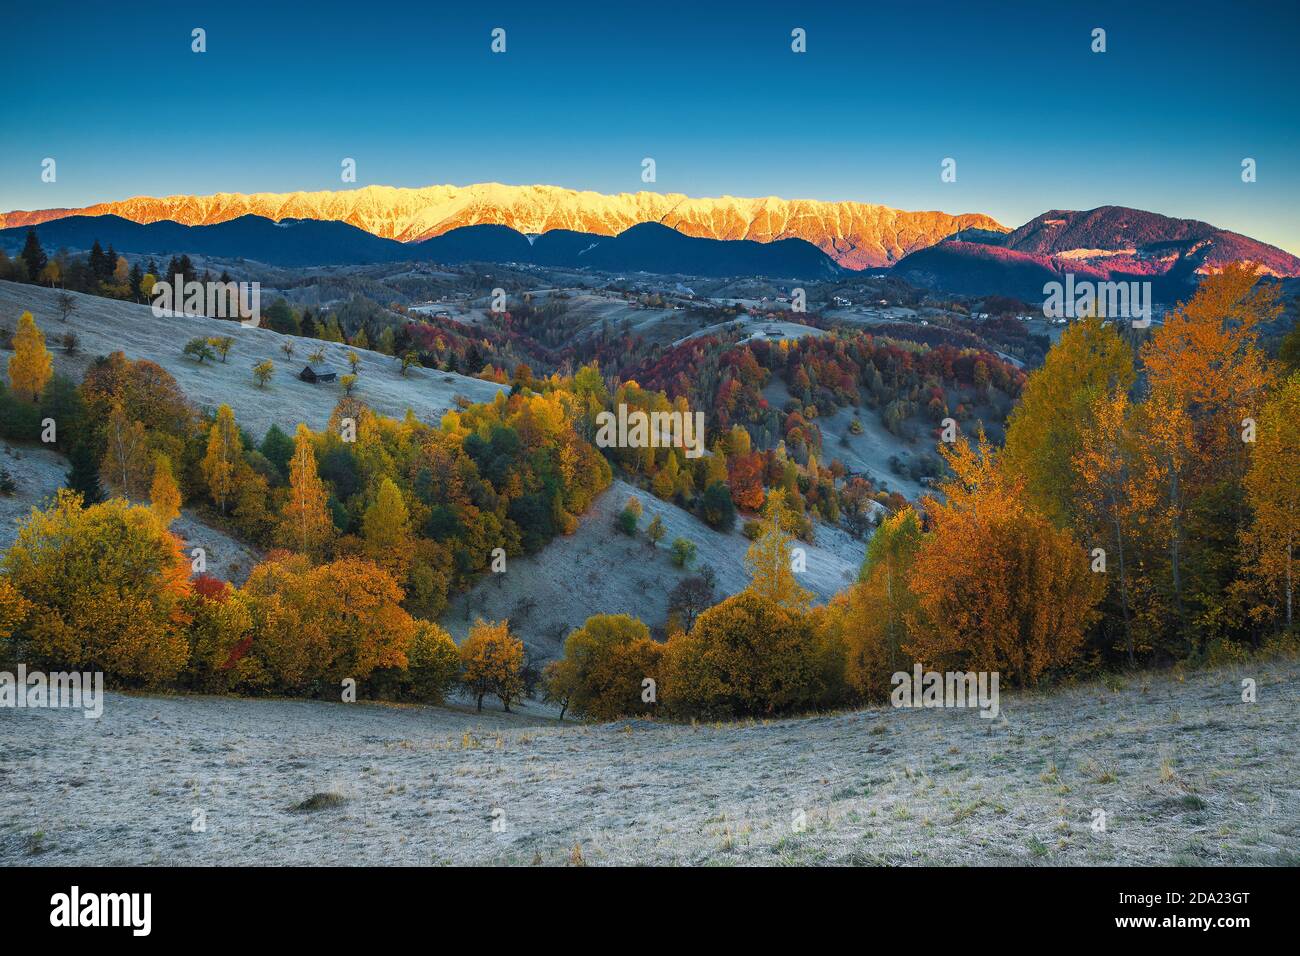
column 1104, row 243
column 855, row 235
column 647, row 246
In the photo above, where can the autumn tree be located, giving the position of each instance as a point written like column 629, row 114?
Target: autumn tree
column 745, row 656
column 683, row 553
column 127, row 466
column 1112, row 501
column 769, row 558
column 745, row 480
column 358, row 608
column 14, row 609
column 317, row 626
column 305, row 522
column 655, row 531
column 1273, row 492
column 106, row 587
column 222, row 344
column 1207, row 381
column 492, row 660
column 605, row 667
column 222, row 659
column 225, row 454
column 386, row 528
column 31, row 365
column 874, row 615
column 998, row 587
column 1089, row 361
column 164, row 496
column 1205, row 361
column 433, row 664
column 262, row 372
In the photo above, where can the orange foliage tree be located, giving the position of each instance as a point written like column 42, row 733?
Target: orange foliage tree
column 998, row 587
column 321, row 625
column 305, row 523
column 493, row 661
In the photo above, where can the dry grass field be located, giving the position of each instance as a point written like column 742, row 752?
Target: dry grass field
column 1185, row 771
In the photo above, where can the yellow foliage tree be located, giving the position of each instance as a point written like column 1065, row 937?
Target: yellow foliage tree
column 746, row 656
column 127, row 465
column 874, row 616
column 433, row 664
column 305, row 521
column 14, row 609
column 31, row 365
column 605, row 665
column 220, row 635
column 164, row 496
column 386, row 528
column 769, row 558
column 492, row 660
column 1204, row 360
column 224, row 458
column 107, row 588
column 1089, row 361
column 1273, row 492
column 324, row 624
column 1112, row 501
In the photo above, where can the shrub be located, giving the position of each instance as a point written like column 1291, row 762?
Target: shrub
column 656, row 531
column 746, row 656
column 604, row 666
column 199, row 349
column 626, row 522
column 716, row 507
column 683, row 552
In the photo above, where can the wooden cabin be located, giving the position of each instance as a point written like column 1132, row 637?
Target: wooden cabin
column 309, row 374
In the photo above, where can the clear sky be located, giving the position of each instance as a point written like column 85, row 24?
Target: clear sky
column 711, row 91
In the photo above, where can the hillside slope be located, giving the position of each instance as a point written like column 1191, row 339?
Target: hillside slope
column 547, row 594
column 107, row 325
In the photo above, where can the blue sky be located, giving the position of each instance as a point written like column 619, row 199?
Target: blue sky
column 1011, row 90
